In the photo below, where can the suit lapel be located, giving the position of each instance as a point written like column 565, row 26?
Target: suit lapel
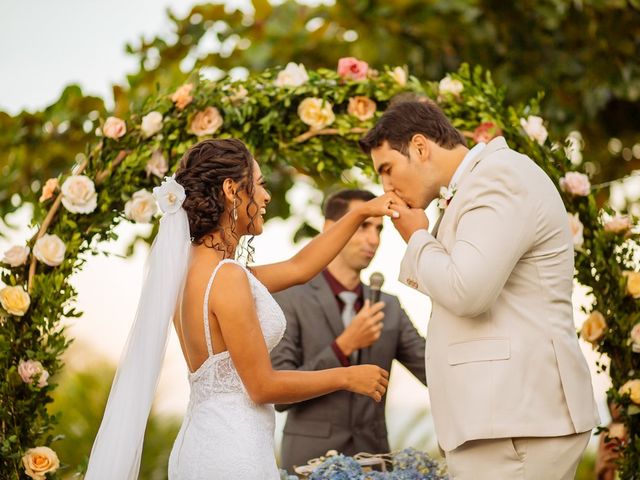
column 328, row 304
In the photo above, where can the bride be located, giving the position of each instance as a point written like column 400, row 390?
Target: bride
column 226, row 321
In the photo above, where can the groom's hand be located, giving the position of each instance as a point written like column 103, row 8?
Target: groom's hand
column 409, row 220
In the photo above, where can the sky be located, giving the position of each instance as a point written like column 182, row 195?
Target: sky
column 45, row 45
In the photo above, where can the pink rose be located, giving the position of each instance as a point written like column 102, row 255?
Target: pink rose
column 206, row 122
column 49, row 188
column 485, row 132
column 182, row 96
column 618, row 224
column 114, row 127
column 351, row 68
column 31, row 371
column 576, row 183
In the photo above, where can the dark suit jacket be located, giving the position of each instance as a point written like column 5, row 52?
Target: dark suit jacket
column 346, row 422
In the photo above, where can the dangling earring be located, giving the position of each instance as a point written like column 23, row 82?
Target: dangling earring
column 235, row 210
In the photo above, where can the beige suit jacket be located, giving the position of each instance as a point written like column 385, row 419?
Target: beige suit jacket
column 502, row 355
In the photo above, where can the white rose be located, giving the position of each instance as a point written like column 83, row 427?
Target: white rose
column 577, row 230
column 151, row 124
column 16, row 256
column 399, row 74
column 169, row 195
column 316, row 113
column 79, row 194
column 157, row 164
column 142, row 207
column 534, row 127
column 450, row 86
column 576, row 183
column 50, row 250
column 293, row 75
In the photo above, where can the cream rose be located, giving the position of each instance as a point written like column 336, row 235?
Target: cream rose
column 79, row 194
column 39, row 461
column 157, row 164
column 577, row 230
column 151, row 124
column 618, row 224
column 32, row 371
column 293, row 75
column 182, row 96
column 206, row 122
column 633, row 283
column 449, row 86
column 635, row 338
column 363, row 108
column 238, row 95
column 49, row 189
column 399, row 74
column 534, row 127
column 593, row 327
column 15, row 300
column 114, row 127
column 316, row 113
column 50, row 250
column 632, row 387
column 16, row 256
column 142, row 207
column 576, row 183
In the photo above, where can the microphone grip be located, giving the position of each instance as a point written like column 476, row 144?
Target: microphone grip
column 374, row 295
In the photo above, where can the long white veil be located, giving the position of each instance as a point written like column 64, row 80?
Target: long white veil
column 118, row 446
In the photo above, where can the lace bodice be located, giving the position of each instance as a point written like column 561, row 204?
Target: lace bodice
column 217, row 374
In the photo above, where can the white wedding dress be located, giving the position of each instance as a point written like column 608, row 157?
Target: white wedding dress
column 224, row 434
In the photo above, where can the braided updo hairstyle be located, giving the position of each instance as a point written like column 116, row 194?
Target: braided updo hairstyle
column 203, row 169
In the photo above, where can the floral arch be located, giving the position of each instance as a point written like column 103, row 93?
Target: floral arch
column 293, row 121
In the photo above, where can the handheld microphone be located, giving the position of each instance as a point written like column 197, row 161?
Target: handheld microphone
column 375, row 284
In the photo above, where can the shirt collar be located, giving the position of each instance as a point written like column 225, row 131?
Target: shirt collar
column 337, row 287
column 468, row 158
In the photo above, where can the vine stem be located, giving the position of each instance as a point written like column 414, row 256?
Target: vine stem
column 325, row 131
column 100, row 177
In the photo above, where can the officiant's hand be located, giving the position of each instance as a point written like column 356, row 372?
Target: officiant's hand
column 364, row 330
column 409, row 220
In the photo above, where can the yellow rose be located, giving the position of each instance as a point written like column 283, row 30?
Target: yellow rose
column 15, row 300
column 39, row 461
column 633, row 283
column 632, row 387
column 593, row 328
column 316, row 113
column 363, row 108
column 50, row 250
column 206, row 122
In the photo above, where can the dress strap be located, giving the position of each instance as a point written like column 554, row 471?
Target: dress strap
column 205, row 308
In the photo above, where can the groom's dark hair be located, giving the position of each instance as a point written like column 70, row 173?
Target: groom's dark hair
column 406, row 118
column 337, row 204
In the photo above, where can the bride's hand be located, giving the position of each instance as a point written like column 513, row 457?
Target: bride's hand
column 380, row 206
column 369, row 380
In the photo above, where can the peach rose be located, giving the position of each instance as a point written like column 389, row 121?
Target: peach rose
column 593, row 327
column 635, row 338
column 534, row 128
column 238, row 95
column 399, row 74
column 618, row 224
column 39, row 461
column 633, row 283
column 79, row 194
column 351, row 68
column 576, row 183
column 316, row 113
column 363, row 108
column 577, row 230
column 293, row 75
column 142, row 207
column 157, row 164
column 632, row 388
column 114, row 127
column 206, row 122
column 32, row 370
column 151, row 124
column 50, row 250
column 15, row 300
column 182, row 96
column 449, row 86
column 16, row 256
column 485, row 132
column 48, row 190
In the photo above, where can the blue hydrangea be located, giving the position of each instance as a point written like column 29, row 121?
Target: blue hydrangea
column 338, row 467
column 284, row 475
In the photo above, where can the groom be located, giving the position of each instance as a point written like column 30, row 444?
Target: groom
column 510, row 391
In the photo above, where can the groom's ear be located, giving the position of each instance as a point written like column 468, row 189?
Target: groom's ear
column 420, row 147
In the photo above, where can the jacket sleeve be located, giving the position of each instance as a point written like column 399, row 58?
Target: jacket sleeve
column 411, row 347
column 494, row 230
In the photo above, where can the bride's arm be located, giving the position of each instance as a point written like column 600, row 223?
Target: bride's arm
column 319, row 252
column 232, row 303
